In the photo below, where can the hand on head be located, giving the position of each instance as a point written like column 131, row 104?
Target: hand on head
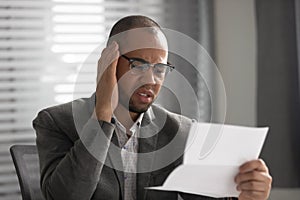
column 107, row 91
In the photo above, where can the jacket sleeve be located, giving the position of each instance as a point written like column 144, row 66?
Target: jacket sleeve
column 71, row 170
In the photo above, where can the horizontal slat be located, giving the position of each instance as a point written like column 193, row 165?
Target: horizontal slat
column 79, row 29
column 22, row 114
column 11, row 196
column 77, row 1
column 45, row 4
column 78, row 9
column 26, row 3
column 107, row 4
column 79, row 38
column 16, row 137
column 29, row 96
column 39, row 63
column 8, row 178
column 44, row 78
column 22, row 43
column 22, row 23
column 24, row 33
column 26, row 53
column 79, row 19
column 89, row 6
column 5, row 158
column 85, row 81
column 37, row 13
column 60, row 80
column 16, row 105
column 19, row 74
column 63, row 48
column 9, row 188
column 32, row 54
column 123, row 5
column 24, row 12
column 25, row 95
column 25, row 136
column 19, row 85
column 116, row 14
column 18, row 125
column 7, row 167
column 4, row 147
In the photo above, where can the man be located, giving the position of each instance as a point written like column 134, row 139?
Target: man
column 102, row 147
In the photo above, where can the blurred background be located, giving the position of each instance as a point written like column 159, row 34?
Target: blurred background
column 254, row 43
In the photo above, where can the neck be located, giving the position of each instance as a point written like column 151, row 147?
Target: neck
column 126, row 117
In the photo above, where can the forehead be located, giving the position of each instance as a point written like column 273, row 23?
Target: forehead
column 143, row 38
column 149, row 54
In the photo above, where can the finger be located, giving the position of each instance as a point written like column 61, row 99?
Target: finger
column 253, row 186
column 108, row 59
column 252, row 195
column 107, row 51
column 113, row 65
column 258, row 165
column 109, row 54
column 252, row 176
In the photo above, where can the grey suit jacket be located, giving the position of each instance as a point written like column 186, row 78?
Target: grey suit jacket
column 73, row 148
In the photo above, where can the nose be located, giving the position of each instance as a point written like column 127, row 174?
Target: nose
column 149, row 77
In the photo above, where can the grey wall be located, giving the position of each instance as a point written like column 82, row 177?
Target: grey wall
column 236, row 58
column 235, row 32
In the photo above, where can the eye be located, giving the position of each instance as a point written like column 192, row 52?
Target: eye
column 137, row 65
column 160, row 68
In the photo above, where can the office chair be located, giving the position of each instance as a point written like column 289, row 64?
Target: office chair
column 26, row 163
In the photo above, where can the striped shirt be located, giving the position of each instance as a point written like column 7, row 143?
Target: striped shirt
column 129, row 155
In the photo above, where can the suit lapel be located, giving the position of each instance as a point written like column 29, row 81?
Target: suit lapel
column 114, row 155
column 147, row 143
column 81, row 115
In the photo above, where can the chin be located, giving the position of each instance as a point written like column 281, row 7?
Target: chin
column 139, row 109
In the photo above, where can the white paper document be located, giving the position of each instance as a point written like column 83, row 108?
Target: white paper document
column 212, row 158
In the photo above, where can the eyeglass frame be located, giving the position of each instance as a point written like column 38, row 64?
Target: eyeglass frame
column 131, row 60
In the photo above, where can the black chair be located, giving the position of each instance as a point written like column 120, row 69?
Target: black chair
column 26, row 162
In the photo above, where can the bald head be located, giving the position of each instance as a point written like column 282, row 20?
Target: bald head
column 137, row 32
column 131, row 22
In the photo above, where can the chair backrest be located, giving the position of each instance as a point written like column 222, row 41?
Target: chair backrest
column 26, row 162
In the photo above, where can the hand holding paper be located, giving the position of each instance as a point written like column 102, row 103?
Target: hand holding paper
column 213, row 155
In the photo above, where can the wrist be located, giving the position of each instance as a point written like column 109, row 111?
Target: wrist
column 102, row 115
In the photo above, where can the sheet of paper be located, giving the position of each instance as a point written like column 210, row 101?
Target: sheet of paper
column 212, row 157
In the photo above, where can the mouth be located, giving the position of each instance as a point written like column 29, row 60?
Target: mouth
column 145, row 96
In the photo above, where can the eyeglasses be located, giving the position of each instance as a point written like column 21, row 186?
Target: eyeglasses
column 139, row 66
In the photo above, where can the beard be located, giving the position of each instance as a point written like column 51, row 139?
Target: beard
column 138, row 109
column 131, row 105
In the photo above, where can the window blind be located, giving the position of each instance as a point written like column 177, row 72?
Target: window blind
column 42, row 46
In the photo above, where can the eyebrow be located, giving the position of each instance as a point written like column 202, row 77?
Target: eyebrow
column 140, row 59
column 145, row 61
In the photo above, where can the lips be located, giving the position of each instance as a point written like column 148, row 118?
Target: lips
column 144, row 95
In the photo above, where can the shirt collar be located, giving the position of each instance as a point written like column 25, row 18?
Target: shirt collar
column 133, row 128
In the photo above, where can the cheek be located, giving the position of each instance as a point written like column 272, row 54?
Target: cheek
column 121, row 69
column 119, row 72
column 157, row 88
column 126, row 83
